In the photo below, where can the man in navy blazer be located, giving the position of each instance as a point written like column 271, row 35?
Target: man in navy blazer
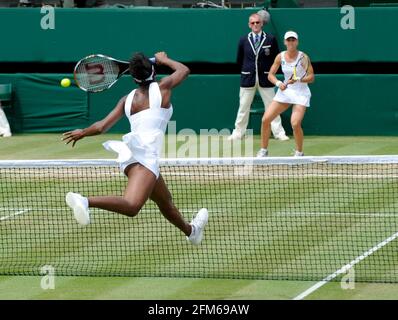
column 256, row 54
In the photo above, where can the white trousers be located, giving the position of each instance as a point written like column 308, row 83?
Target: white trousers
column 246, row 96
column 4, row 125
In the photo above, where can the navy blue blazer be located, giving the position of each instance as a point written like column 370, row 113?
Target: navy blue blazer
column 246, row 59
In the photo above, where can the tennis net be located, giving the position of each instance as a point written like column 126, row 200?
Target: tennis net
column 273, row 218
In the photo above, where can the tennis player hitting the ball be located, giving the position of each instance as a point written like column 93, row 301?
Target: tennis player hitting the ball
column 148, row 110
column 298, row 72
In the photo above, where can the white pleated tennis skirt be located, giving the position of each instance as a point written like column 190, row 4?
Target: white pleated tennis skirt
column 134, row 148
column 293, row 95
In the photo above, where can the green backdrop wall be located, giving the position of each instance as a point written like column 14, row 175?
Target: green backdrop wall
column 209, row 35
column 340, row 105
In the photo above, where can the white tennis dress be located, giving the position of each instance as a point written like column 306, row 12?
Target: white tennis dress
column 298, row 92
column 144, row 143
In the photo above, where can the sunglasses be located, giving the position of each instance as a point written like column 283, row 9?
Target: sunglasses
column 255, row 22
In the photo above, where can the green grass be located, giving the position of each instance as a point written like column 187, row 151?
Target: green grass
column 298, row 242
column 120, row 288
column 50, row 146
column 26, row 287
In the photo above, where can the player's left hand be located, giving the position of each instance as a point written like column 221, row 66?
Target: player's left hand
column 161, row 57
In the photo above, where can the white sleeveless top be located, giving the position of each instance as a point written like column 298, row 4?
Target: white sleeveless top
column 298, row 92
column 144, row 143
column 288, row 67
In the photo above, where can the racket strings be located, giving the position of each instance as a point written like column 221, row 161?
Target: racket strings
column 300, row 70
column 96, row 73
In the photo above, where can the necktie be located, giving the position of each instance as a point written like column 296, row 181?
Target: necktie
column 256, row 42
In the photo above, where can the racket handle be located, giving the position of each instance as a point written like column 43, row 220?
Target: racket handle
column 153, row 60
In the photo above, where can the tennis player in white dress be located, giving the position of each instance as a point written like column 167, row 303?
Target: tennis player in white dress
column 293, row 90
column 148, row 110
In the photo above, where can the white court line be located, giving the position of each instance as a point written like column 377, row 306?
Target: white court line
column 282, row 176
column 32, row 209
column 14, row 214
column 345, row 268
column 365, row 214
column 218, row 210
column 66, row 208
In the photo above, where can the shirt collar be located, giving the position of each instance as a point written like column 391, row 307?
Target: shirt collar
column 254, row 34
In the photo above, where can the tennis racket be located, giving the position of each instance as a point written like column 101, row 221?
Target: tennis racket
column 301, row 68
column 98, row 72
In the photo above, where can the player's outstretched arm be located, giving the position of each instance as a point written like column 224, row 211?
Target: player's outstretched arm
column 97, row 127
column 180, row 73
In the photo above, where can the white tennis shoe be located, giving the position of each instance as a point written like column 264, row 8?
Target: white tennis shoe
column 262, row 153
column 79, row 205
column 198, row 225
column 5, row 134
column 282, row 137
column 235, row 136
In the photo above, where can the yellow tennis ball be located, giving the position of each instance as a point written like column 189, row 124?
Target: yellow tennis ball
column 65, row 82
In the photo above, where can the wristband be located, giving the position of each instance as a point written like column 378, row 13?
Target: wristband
column 278, row 83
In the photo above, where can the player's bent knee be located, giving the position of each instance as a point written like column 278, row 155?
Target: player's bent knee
column 266, row 121
column 132, row 209
column 296, row 125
